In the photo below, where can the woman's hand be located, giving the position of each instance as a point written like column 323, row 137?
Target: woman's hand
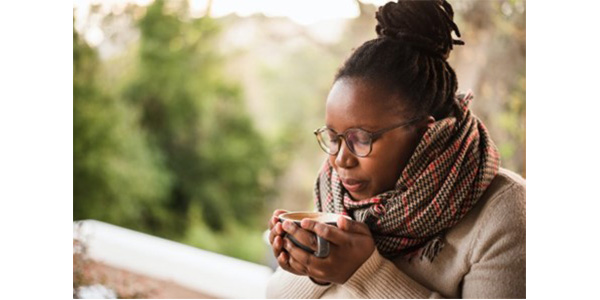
column 276, row 240
column 351, row 244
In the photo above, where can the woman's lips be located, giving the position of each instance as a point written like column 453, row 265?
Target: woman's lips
column 353, row 185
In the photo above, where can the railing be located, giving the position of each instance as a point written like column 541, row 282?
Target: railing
column 207, row 272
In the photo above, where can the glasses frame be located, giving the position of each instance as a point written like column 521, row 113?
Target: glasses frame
column 373, row 136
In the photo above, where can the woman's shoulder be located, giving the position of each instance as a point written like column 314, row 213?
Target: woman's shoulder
column 506, row 182
column 510, row 177
column 498, row 215
column 502, row 212
column 505, row 195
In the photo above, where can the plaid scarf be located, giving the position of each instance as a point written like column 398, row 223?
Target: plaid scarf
column 451, row 168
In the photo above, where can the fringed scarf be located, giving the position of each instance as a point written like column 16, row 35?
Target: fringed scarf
column 451, row 168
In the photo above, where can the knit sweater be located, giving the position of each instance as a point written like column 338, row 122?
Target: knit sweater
column 483, row 257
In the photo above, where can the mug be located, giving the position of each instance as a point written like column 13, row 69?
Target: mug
column 327, row 218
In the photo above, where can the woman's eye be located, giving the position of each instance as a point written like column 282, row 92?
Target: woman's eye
column 359, row 138
column 363, row 138
column 364, row 142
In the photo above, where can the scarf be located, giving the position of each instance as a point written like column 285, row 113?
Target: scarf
column 451, row 167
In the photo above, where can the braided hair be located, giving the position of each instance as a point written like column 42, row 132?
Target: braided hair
column 409, row 55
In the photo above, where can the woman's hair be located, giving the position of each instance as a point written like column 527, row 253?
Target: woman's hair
column 409, row 55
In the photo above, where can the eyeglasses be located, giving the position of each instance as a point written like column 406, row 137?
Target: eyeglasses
column 359, row 141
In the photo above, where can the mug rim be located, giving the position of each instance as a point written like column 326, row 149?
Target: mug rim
column 284, row 216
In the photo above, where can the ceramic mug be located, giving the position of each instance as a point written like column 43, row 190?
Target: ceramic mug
column 327, row 218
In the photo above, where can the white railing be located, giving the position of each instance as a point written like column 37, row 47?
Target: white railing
column 207, row 272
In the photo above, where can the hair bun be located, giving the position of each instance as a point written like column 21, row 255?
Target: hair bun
column 425, row 25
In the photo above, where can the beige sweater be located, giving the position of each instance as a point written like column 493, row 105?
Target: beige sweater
column 484, row 257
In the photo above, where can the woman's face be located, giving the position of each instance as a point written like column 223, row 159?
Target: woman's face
column 354, row 103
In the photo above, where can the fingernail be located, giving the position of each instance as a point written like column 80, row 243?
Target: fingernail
column 287, row 225
column 304, row 223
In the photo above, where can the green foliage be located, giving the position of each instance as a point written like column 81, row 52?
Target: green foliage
column 116, row 172
column 512, row 121
column 198, row 120
column 173, row 152
column 181, row 157
column 234, row 240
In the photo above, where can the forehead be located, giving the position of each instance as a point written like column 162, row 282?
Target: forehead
column 357, row 103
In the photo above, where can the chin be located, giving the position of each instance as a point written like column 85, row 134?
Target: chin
column 359, row 196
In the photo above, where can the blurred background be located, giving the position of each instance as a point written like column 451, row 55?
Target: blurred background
column 193, row 120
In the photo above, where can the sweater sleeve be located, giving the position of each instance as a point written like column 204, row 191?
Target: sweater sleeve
column 380, row 278
column 498, row 255
column 284, row 284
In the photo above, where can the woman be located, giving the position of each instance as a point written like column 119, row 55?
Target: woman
column 433, row 213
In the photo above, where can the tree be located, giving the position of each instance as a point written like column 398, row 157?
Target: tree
column 198, row 120
column 117, row 175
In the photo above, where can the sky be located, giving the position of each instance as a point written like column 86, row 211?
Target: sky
column 302, row 12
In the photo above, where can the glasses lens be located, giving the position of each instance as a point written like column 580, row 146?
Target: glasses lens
column 359, row 142
column 328, row 140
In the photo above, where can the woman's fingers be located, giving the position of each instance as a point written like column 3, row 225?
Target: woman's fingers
column 275, row 217
column 302, row 236
column 272, row 235
column 328, row 232
column 273, row 222
column 304, row 262
column 277, row 246
column 276, row 230
column 284, row 262
column 296, row 266
column 279, row 228
column 296, row 252
column 298, row 258
column 353, row 226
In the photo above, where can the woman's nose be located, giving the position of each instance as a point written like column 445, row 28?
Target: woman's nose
column 345, row 158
